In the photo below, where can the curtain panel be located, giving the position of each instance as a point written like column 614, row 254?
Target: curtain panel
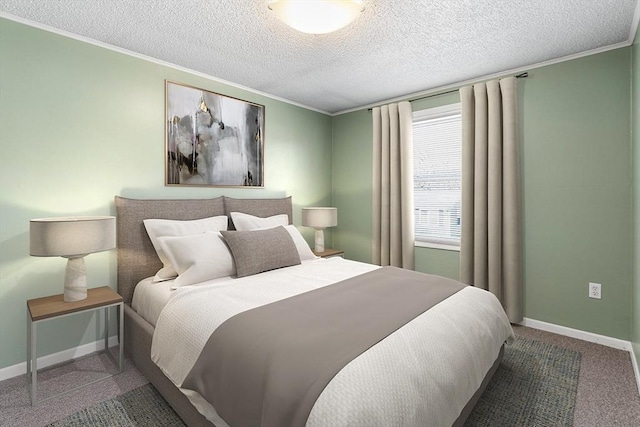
column 393, row 235
column 491, row 241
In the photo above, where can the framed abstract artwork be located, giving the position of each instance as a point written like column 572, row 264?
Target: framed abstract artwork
column 212, row 139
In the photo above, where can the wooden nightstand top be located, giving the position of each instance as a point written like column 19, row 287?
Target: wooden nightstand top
column 46, row 307
column 328, row 252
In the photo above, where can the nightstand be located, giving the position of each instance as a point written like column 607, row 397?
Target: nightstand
column 53, row 307
column 329, row 253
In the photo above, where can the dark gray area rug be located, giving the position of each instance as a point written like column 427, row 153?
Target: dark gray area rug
column 140, row 407
column 535, row 385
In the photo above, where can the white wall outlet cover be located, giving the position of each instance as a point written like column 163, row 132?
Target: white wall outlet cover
column 595, row 290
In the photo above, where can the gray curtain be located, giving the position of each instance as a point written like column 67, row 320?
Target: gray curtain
column 491, row 242
column 393, row 185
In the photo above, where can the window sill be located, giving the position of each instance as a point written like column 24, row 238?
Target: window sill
column 431, row 245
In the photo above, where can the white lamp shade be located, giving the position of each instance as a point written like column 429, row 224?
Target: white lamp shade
column 320, row 217
column 316, row 16
column 72, row 236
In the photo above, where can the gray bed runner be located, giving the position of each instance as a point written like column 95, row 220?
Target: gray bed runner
column 267, row 366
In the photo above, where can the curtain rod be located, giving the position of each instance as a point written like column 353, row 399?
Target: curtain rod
column 518, row 76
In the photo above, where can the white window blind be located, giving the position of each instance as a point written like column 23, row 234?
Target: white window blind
column 437, row 137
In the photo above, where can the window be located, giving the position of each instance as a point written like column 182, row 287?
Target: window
column 437, row 175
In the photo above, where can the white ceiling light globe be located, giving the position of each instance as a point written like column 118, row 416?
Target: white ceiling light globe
column 316, row 16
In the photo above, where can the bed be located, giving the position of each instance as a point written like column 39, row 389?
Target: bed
column 464, row 367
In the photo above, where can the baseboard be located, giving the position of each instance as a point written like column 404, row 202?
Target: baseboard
column 577, row 333
column 55, row 358
column 636, row 368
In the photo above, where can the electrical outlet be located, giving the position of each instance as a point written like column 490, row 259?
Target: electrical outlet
column 595, row 290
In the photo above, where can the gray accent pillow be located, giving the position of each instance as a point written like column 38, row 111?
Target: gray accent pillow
column 261, row 250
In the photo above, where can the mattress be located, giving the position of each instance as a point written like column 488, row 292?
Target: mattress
column 444, row 355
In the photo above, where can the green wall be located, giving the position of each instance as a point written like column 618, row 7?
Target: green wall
column 635, row 328
column 574, row 130
column 577, row 193
column 80, row 124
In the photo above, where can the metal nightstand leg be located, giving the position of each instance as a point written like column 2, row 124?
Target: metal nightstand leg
column 106, row 329
column 120, row 310
column 32, row 360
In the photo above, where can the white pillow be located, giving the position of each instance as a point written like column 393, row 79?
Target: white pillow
column 198, row 257
column 301, row 245
column 246, row 222
column 165, row 227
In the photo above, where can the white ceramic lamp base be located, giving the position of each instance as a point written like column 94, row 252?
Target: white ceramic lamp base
column 75, row 280
column 319, row 245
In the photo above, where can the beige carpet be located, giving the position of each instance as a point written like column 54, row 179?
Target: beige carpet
column 15, row 406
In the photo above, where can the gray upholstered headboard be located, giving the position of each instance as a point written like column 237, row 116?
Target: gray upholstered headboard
column 137, row 258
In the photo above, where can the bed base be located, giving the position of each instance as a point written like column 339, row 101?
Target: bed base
column 468, row 408
column 137, row 344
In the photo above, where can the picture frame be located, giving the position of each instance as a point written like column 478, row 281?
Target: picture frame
column 211, row 139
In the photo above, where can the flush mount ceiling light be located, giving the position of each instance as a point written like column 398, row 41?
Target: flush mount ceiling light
column 316, row 16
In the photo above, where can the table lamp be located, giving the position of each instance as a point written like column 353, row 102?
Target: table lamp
column 72, row 238
column 319, row 218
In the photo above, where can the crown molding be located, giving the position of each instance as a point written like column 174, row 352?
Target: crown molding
column 151, row 59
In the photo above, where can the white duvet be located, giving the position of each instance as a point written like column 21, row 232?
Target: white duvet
column 421, row 375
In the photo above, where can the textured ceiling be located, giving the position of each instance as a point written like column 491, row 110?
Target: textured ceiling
column 395, row 48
